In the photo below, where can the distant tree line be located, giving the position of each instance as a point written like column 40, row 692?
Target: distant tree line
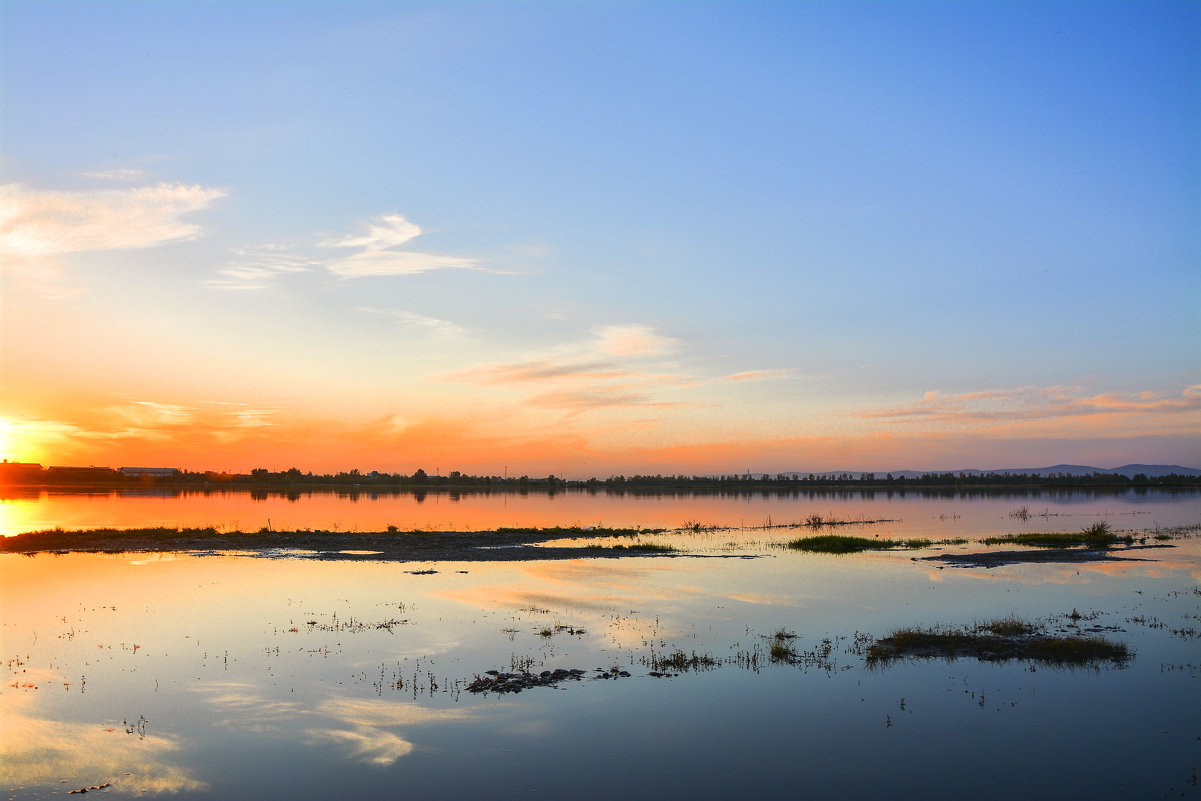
column 293, row 479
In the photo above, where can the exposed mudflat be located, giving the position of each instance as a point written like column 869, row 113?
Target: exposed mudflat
column 505, row 545
column 989, row 559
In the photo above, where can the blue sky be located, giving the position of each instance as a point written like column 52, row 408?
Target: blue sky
column 846, row 206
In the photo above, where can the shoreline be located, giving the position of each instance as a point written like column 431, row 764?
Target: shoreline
column 490, row 545
column 495, row 545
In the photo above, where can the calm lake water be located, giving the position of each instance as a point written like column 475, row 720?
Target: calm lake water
column 205, row 677
column 915, row 513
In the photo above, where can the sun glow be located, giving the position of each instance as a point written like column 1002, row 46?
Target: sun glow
column 8, row 440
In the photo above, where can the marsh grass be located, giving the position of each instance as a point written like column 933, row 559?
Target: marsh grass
column 1010, row 626
column 780, row 647
column 681, row 662
column 697, row 527
column 636, row 547
column 577, row 531
column 998, row 640
column 840, row 544
column 1096, row 535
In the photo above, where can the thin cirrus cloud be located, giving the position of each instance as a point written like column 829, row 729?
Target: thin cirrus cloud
column 595, row 398
column 414, row 321
column 259, row 267
column 610, row 352
column 613, row 367
column 539, row 370
column 377, row 252
column 152, row 414
column 118, row 174
column 761, row 375
column 633, row 340
column 1028, row 405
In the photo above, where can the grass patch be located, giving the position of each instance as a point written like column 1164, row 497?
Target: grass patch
column 997, row 640
column 578, row 531
column 1097, row 535
column 780, row 647
column 815, row 521
column 696, row 527
column 681, row 662
column 1011, row 626
column 636, row 547
column 838, row 544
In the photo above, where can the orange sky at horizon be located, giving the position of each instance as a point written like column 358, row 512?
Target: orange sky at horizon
column 176, row 437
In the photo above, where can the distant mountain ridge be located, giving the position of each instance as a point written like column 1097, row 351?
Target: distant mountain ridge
column 1128, row 470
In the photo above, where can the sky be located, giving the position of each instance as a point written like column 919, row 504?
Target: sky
column 594, row 238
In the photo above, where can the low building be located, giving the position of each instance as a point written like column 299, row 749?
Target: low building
column 75, row 474
column 20, row 472
column 154, row 472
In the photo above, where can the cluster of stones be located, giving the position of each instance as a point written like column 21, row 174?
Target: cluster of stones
column 496, row 682
column 85, row 789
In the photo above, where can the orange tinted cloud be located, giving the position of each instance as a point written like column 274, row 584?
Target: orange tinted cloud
column 1053, row 411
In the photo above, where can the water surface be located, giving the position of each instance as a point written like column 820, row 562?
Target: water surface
column 203, row 677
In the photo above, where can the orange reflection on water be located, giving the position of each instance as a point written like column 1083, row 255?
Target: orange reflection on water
column 909, row 514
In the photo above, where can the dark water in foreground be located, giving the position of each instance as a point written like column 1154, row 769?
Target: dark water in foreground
column 227, row 677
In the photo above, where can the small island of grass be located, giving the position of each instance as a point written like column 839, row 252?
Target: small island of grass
column 997, row 640
column 840, row 544
column 1097, row 535
column 636, row 547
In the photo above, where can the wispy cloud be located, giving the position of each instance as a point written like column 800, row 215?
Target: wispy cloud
column 615, row 366
column 36, row 224
column 539, row 370
column 633, row 340
column 413, row 320
column 39, row 227
column 761, row 375
column 253, row 418
column 385, row 232
column 595, row 398
column 377, row 251
column 367, row 263
column 259, row 267
column 151, row 414
column 1145, row 412
column 118, row 174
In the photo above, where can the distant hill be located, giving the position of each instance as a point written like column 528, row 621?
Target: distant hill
column 1152, row 470
column 1128, row 470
